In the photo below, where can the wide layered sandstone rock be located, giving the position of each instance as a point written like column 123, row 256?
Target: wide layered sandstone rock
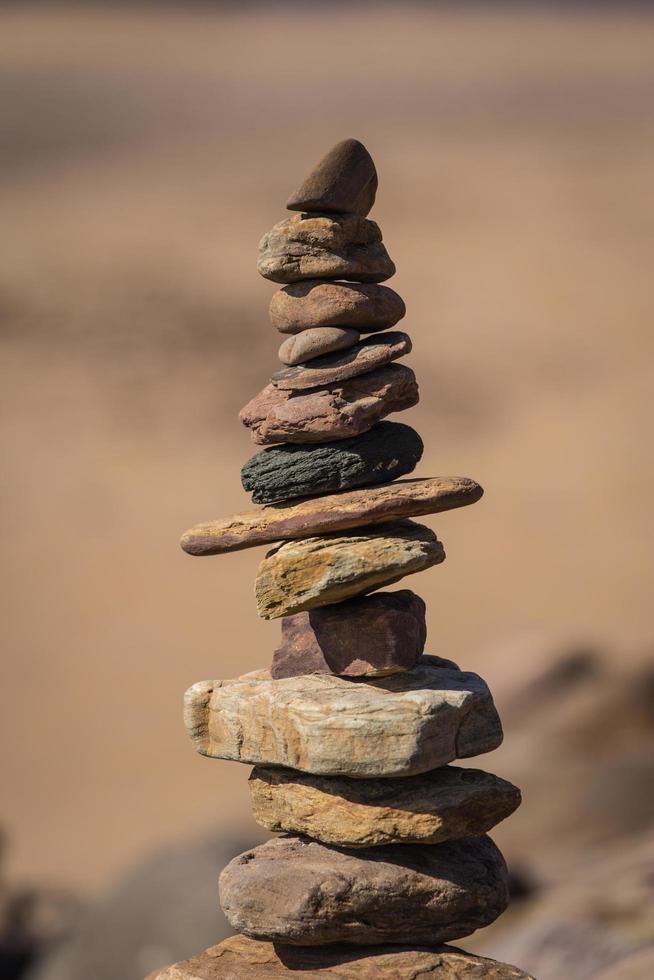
column 388, row 450
column 241, row 958
column 340, row 411
column 367, row 307
column 336, row 512
column 373, row 636
column 369, row 354
column 299, row 575
column 315, row 342
column 445, row 804
column 319, row 723
column 343, row 182
column 293, row 890
column 309, row 246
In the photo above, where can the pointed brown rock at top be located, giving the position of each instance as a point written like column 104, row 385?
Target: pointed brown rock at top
column 344, row 182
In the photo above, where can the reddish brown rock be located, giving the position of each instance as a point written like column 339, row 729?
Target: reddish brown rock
column 336, row 512
column 240, row 958
column 344, row 182
column 366, row 306
column 372, row 636
column 324, row 247
column 315, row 342
column 337, row 411
column 368, row 355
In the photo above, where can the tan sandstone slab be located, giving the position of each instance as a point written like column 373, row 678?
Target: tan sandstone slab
column 444, row 804
column 319, row 723
column 335, row 512
column 369, row 354
column 311, row 572
column 241, row 958
column 367, row 307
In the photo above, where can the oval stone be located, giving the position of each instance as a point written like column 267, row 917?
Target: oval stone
column 315, row 342
column 368, row 307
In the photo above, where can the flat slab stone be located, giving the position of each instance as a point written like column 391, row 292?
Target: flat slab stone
column 315, row 342
column 314, row 303
column 445, row 804
column 324, row 247
column 373, row 636
column 341, row 410
column 311, row 572
column 319, row 723
column 370, row 353
column 335, row 512
column 383, row 453
column 296, row 891
column 344, row 182
column 252, row 959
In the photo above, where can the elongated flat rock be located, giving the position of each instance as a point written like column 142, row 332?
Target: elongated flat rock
column 444, row 804
column 367, row 307
column 296, row 891
column 392, row 726
column 339, row 411
column 369, row 354
column 336, row 512
column 324, row 247
column 241, row 958
column 299, row 575
column 315, row 342
column 373, row 636
column 383, row 453
column 344, row 182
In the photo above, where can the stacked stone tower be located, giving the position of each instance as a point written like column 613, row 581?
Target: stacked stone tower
column 383, row 856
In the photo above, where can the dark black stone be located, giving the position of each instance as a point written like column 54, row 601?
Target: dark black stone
column 384, row 453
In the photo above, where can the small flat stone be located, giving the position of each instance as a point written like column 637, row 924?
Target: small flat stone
column 324, row 247
column 369, row 354
column 331, row 726
column 301, row 575
column 373, row 636
column 315, row 342
column 300, row 892
column 340, row 410
column 336, row 512
column 383, row 453
column 444, row 804
column 344, row 182
column 241, row 958
column 367, row 307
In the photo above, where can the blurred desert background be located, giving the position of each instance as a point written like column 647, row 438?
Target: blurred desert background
column 145, row 150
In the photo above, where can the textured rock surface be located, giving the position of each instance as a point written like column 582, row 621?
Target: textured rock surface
column 388, row 450
column 370, row 353
column 244, row 958
column 314, row 303
column 300, row 575
column 444, row 804
column 296, row 891
column 336, row 512
column 324, row 247
column 392, row 726
column 373, row 636
column 315, row 342
column 339, row 411
column 344, row 182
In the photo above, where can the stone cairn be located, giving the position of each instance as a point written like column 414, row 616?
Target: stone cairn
column 383, row 855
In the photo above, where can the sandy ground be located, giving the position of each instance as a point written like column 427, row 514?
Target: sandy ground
column 144, row 156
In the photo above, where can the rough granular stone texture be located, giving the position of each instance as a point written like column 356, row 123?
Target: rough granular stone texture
column 340, row 410
column 383, row 453
column 373, row 636
column 299, row 575
column 369, row 354
column 332, row 726
column 315, row 342
column 293, row 890
column 444, row 804
column 344, row 182
column 324, row 247
column 241, row 958
column 314, row 303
